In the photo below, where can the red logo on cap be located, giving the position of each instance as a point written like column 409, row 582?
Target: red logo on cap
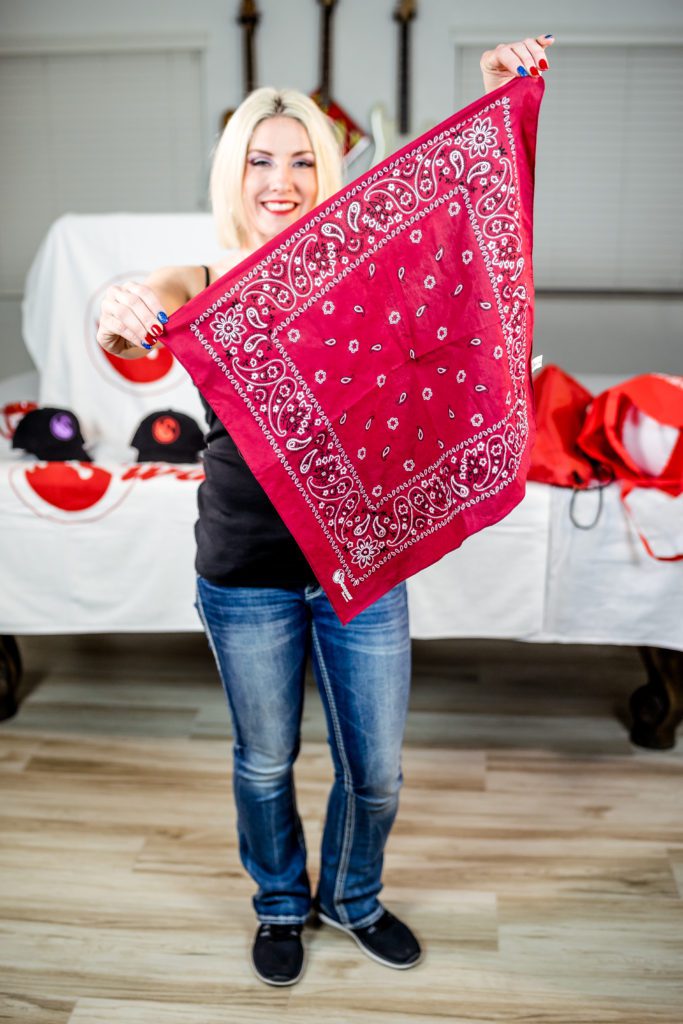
column 165, row 430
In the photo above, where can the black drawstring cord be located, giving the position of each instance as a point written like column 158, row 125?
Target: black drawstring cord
column 608, row 477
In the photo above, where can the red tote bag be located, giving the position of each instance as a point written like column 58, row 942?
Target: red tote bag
column 561, row 404
column 636, row 429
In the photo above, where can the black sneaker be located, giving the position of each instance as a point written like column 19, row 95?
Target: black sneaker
column 388, row 941
column 277, row 955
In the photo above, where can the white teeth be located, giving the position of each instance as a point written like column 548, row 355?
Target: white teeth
column 279, row 207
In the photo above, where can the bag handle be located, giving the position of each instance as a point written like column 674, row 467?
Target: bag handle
column 626, row 489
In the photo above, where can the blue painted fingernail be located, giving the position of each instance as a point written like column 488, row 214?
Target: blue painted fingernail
column 549, row 36
column 522, row 71
column 162, row 318
column 145, row 345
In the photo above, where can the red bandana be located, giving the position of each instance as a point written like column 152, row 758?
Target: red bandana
column 372, row 362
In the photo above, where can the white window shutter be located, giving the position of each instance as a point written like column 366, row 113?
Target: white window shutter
column 608, row 210
column 95, row 132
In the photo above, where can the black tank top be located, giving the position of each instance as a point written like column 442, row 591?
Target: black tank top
column 241, row 540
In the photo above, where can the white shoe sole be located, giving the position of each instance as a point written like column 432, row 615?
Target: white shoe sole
column 368, row 952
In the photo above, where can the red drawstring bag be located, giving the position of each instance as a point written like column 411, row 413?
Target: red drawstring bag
column 636, row 429
column 561, row 404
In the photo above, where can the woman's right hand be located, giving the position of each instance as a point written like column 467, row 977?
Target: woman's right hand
column 130, row 319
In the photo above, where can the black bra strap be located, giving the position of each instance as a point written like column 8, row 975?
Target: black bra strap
column 206, row 275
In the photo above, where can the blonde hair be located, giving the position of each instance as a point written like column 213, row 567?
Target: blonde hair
column 227, row 169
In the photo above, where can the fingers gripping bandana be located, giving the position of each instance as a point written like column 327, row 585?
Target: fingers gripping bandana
column 372, row 362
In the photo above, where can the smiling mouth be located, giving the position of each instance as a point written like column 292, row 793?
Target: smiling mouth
column 277, row 206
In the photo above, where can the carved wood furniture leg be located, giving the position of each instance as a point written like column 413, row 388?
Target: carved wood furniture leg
column 10, row 676
column 657, row 707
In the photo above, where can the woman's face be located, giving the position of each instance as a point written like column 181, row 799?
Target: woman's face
column 280, row 181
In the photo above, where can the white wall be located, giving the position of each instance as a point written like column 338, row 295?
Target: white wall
column 612, row 335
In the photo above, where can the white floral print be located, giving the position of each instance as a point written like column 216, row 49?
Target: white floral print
column 365, row 551
column 228, row 327
column 328, row 307
column 392, row 423
column 320, row 376
column 394, row 317
column 480, row 138
column 477, row 419
column 467, row 256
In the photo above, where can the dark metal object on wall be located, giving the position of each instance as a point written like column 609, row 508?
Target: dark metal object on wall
column 249, row 18
column 353, row 139
column 404, row 14
column 325, row 90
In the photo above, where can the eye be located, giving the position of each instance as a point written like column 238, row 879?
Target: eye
column 258, row 162
column 304, row 163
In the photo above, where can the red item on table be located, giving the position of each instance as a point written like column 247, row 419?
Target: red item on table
column 372, row 363
column 603, row 434
column 610, row 436
column 561, row 404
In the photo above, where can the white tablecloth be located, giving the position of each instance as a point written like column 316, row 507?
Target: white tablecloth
column 110, row 548
column 122, row 560
column 79, row 258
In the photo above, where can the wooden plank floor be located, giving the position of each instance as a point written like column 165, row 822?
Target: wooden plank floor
column 537, row 853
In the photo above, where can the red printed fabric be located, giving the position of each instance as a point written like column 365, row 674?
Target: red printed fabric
column 372, row 363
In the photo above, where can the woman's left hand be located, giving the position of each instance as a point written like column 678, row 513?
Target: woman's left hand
column 514, row 60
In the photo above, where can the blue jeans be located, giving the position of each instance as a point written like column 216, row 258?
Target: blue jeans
column 261, row 638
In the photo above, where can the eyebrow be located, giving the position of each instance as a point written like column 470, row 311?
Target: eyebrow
column 301, row 152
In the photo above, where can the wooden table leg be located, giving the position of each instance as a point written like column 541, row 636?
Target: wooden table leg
column 657, row 707
column 10, row 676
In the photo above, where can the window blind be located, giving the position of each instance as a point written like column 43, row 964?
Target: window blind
column 608, row 214
column 95, row 132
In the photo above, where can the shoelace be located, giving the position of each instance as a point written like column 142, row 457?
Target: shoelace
column 380, row 924
column 280, row 931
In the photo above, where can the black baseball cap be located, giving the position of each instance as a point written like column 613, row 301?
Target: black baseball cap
column 168, row 436
column 54, row 435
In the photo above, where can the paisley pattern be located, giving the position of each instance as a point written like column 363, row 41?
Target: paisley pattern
column 372, row 363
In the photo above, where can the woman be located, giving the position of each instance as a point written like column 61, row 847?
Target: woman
column 263, row 610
